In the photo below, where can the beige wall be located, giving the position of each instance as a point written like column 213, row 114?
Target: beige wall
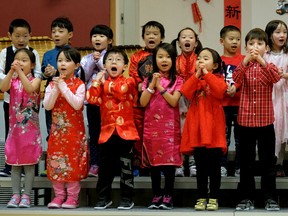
column 176, row 14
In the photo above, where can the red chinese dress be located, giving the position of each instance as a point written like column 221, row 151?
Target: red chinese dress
column 67, row 153
column 205, row 122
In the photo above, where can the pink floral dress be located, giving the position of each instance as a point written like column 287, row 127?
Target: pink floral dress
column 23, row 144
column 162, row 135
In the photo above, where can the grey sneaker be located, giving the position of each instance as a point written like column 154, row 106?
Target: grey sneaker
column 245, row 205
column 271, row 205
column 125, row 204
column 237, row 173
column 179, row 172
column 223, row 171
column 103, row 204
column 193, row 171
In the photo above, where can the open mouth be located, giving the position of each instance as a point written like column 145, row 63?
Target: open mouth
column 98, row 44
column 114, row 69
column 187, row 45
column 151, row 42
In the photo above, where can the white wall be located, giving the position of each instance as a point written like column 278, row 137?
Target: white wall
column 177, row 14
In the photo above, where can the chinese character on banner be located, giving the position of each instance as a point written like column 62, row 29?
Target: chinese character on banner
column 232, row 13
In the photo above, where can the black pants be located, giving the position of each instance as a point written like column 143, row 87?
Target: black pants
column 231, row 113
column 114, row 154
column 94, row 126
column 264, row 138
column 208, row 162
column 169, row 173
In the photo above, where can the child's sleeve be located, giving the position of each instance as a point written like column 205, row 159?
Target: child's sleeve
column 94, row 92
column 120, row 90
column 189, row 87
column 75, row 100
column 50, row 97
column 270, row 73
column 2, row 63
column 88, row 64
column 37, row 69
column 133, row 69
column 238, row 74
column 216, row 84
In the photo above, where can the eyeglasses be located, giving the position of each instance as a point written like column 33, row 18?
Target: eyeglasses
column 117, row 60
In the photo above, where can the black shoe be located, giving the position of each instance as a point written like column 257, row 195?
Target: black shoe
column 126, row 204
column 271, row 205
column 245, row 205
column 5, row 173
column 167, row 203
column 156, row 202
column 103, row 204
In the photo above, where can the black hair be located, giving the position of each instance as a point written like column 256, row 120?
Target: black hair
column 216, row 60
column 258, row 34
column 62, row 22
column 30, row 54
column 154, row 24
column 19, row 23
column 270, row 28
column 170, row 49
column 102, row 29
column 228, row 28
column 74, row 55
column 199, row 44
column 115, row 50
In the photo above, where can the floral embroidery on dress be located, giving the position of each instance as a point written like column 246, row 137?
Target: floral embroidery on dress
column 60, row 165
column 61, row 122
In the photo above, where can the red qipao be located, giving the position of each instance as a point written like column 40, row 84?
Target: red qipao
column 115, row 99
column 67, row 153
column 205, row 121
column 186, row 65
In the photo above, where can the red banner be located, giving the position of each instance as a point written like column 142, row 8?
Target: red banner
column 232, row 13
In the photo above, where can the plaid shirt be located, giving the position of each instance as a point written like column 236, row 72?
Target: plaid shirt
column 256, row 108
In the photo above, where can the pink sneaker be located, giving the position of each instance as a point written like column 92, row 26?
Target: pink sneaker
column 70, row 204
column 14, row 201
column 93, row 170
column 25, row 201
column 56, row 203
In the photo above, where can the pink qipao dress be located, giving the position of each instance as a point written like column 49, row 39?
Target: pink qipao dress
column 162, row 135
column 23, row 144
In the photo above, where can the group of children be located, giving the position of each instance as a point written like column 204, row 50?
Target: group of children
column 170, row 108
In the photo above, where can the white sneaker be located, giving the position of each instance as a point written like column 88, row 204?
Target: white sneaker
column 237, row 173
column 179, row 172
column 223, row 171
column 193, row 171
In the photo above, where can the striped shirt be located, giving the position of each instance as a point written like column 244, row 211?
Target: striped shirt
column 256, row 108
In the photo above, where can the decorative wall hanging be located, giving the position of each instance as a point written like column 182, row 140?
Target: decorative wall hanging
column 282, row 7
column 197, row 14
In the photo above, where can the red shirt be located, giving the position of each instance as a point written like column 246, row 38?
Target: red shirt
column 115, row 99
column 256, row 108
